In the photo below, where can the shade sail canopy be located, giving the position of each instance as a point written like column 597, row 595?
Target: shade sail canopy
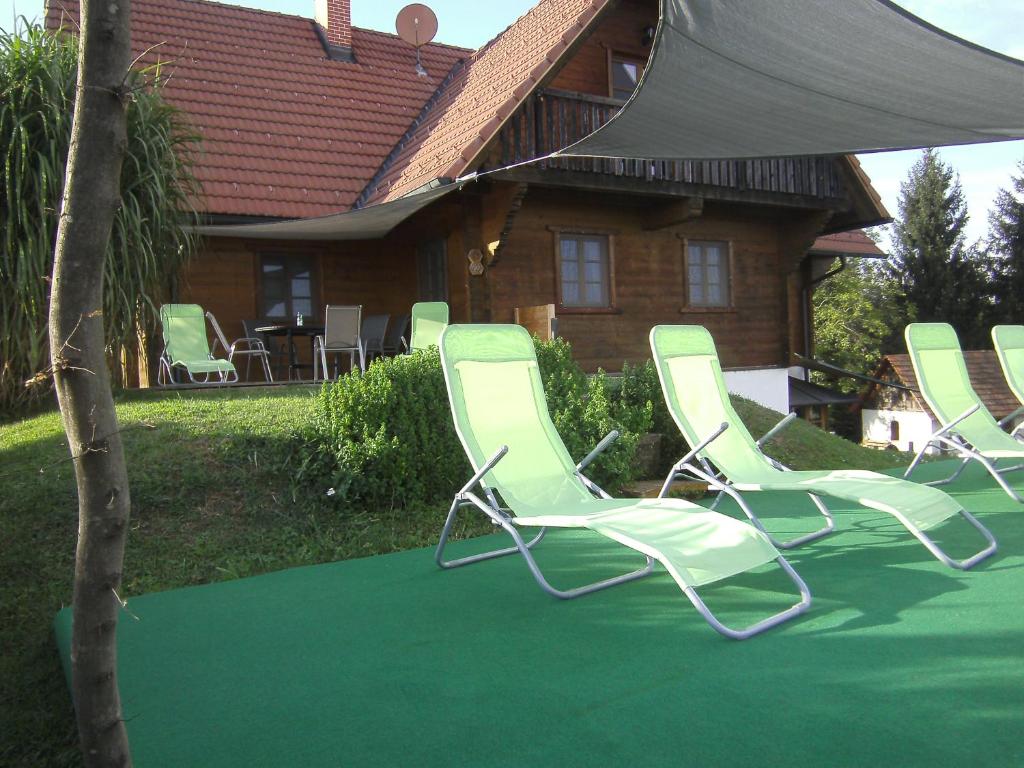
column 368, row 223
column 736, row 79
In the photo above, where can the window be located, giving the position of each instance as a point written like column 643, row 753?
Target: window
column 707, row 274
column 625, row 73
column 432, row 270
column 584, row 270
column 287, row 284
column 894, row 431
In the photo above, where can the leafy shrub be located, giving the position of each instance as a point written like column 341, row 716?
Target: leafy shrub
column 640, row 387
column 385, row 438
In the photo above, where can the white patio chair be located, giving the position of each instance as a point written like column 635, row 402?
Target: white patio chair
column 341, row 334
column 247, row 347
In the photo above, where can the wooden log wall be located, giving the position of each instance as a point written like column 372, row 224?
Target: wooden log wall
column 649, row 278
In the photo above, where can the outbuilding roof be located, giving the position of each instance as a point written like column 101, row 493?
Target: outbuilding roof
column 984, row 371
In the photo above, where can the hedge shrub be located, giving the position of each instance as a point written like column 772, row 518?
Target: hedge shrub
column 385, row 438
column 640, row 387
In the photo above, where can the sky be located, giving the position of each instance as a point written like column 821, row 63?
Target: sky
column 995, row 24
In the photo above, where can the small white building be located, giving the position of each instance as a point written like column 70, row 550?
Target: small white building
column 897, row 416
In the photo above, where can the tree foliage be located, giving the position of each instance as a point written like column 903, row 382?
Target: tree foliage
column 150, row 240
column 1006, row 249
column 857, row 312
column 943, row 278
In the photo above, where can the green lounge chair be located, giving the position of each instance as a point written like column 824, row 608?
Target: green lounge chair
column 187, row 349
column 967, row 427
column 429, row 318
column 1008, row 341
column 694, row 389
column 501, row 417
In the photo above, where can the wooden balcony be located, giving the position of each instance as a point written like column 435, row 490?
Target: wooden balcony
column 550, row 120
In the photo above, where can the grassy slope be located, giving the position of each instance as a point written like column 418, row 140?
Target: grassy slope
column 212, row 499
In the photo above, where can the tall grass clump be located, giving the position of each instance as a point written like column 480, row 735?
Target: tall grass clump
column 385, row 439
column 151, row 238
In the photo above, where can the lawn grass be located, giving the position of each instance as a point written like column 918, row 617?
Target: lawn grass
column 213, row 498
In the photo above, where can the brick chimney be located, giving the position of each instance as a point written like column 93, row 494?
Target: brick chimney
column 334, row 25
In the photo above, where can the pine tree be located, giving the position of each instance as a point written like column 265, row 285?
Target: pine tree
column 943, row 279
column 1006, row 248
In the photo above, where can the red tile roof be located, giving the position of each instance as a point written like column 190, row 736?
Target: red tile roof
column 852, row 243
column 286, row 131
column 986, row 378
column 484, row 93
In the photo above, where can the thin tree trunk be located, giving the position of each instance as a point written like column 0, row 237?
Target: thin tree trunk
column 91, row 196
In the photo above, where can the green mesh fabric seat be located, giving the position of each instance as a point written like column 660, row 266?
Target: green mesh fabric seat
column 727, row 457
column 187, row 349
column 429, row 318
column 501, row 416
column 966, row 426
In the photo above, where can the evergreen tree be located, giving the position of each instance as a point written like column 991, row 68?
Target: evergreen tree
column 943, row 279
column 1006, row 249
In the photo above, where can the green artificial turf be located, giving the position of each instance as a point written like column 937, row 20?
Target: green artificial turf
column 390, row 661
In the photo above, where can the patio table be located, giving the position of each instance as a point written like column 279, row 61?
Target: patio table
column 290, row 331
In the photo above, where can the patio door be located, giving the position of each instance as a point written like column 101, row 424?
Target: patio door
column 432, row 270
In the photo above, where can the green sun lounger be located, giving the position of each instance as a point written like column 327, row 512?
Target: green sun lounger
column 1008, row 341
column 501, row 417
column 695, row 392
column 966, row 426
column 429, row 318
column 187, row 349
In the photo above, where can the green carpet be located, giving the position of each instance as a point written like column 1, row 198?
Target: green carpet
column 391, row 661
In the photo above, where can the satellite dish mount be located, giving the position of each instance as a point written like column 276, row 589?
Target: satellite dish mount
column 417, row 25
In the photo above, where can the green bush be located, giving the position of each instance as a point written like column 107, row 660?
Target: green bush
column 640, row 387
column 386, row 439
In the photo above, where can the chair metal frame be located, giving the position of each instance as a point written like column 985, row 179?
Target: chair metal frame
column 724, row 486
column 502, row 519
column 253, row 347
column 946, row 437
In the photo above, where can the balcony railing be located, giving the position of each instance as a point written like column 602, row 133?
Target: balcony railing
column 551, row 120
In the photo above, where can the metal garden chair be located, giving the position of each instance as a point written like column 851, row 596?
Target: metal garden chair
column 341, row 334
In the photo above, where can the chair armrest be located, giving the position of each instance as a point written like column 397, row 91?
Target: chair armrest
column 703, row 444
column 498, row 456
column 251, row 345
column 785, row 422
column 1010, row 417
column 607, row 440
column 945, row 428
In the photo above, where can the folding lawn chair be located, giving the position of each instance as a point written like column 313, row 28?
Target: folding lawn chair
column 1008, row 341
column 186, row 348
column 725, row 456
column 501, row 417
column 429, row 318
column 967, row 427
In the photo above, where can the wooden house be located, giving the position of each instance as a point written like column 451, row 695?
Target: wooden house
column 305, row 118
column 898, row 417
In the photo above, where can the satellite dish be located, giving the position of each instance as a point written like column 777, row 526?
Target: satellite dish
column 417, row 25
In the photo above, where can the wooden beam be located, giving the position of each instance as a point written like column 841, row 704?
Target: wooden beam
column 673, row 212
column 602, row 182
